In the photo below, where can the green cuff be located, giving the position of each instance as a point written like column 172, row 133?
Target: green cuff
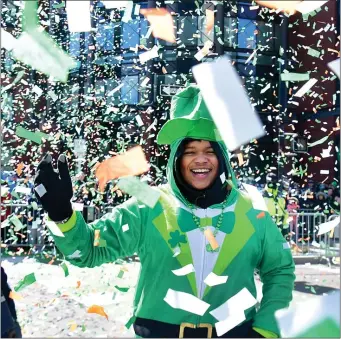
column 265, row 333
column 67, row 226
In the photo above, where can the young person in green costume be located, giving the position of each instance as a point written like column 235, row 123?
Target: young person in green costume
column 186, row 287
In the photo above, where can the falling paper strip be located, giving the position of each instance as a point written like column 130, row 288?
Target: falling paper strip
column 211, row 239
column 238, row 303
column 128, row 11
column 153, row 53
column 40, row 189
column 78, row 206
column 133, row 162
column 305, row 88
column 122, row 289
column 16, row 222
column 54, row 228
column 33, row 136
column 308, row 6
column 98, row 310
column 36, row 46
column 125, row 228
column 324, row 172
column 204, row 51
column 295, row 76
column 257, row 199
column 321, row 318
column 109, row 4
column 286, row 246
column 78, row 16
column 96, row 238
column 184, row 270
column 28, row 280
column 187, row 302
column 220, row 97
column 229, row 323
column 161, row 23
column 209, row 20
column 8, row 41
column 15, row 296
column 328, row 226
column 212, row 279
column 140, row 190
column 335, row 67
column 65, row 269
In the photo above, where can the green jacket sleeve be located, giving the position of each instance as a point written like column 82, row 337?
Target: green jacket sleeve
column 121, row 232
column 276, row 269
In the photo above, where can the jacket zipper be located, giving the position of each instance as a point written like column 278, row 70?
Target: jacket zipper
column 202, row 268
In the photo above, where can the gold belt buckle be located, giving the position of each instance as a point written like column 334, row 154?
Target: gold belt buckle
column 184, row 325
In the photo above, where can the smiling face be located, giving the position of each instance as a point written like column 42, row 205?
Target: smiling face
column 199, row 164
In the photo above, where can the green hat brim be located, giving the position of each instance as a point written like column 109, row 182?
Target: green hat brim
column 184, row 128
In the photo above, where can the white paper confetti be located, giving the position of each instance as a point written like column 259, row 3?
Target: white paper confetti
column 184, row 270
column 40, row 189
column 212, row 279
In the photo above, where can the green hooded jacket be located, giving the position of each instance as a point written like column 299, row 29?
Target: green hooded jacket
column 166, row 238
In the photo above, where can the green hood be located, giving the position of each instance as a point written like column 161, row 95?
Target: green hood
column 231, row 179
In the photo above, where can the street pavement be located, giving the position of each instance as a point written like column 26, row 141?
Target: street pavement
column 55, row 305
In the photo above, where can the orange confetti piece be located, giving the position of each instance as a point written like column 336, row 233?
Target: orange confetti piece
column 98, row 310
column 78, row 284
column 96, row 239
column 211, row 239
column 161, row 23
column 20, row 168
column 284, row 5
column 240, row 159
column 132, row 163
column 15, row 296
column 261, row 215
column 209, row 20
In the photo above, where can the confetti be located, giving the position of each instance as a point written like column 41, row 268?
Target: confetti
column 65, row 269
column 35, row 137
column 133, row 162
column 305, row 88
column 122, row 289
column 98, row 310
column 78, row 16
column 213, row 280
column 139, row 190
column 161, row 23
column 209, row 20
column 185, row 270
column 28, row 280
column 220, row 97
column 261, row 215
column 211, row 239
column 15, row 296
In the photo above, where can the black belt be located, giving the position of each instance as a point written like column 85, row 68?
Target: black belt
column 147, row 328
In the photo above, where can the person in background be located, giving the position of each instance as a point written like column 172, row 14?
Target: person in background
column 10, row 327
column 276, row 203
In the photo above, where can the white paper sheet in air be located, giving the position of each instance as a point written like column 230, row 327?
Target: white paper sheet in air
column 212, row 279
column 54, row 228
column 184, row 270
column 308, row 6
column 186, row 302
column 228, row 324
column 153, row 53
column 228, row 102
column 257, row 199
column 78, row 16
column 315, row 311
column 77, row 206
column 328, row 226
column 40, row 189
column 23, row 189
column 114, row 3
column 335, row 67
column 238, row 303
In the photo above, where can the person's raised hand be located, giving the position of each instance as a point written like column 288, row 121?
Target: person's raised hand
column 53, row 188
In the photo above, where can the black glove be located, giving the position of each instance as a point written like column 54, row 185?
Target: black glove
column 56, row 200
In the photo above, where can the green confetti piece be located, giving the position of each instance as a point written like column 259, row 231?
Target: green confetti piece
column 314, row 53
column 312, row 289
column 65, row 269
column 28, row 280
column 120, row 274
column 130, row 322
column 32, row 136
column 318, row 142
column 83, row 328
column 122, row 289
column 140, row 190
column 61, row 5
column 295, row 76
column 17, row 223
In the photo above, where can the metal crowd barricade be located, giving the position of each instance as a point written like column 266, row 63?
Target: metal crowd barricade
column 304, row 237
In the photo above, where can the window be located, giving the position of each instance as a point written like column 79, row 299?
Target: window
column 246, row 36
column 105, row 36
column 187, row 27
column 129, row 91
column 132, row 32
